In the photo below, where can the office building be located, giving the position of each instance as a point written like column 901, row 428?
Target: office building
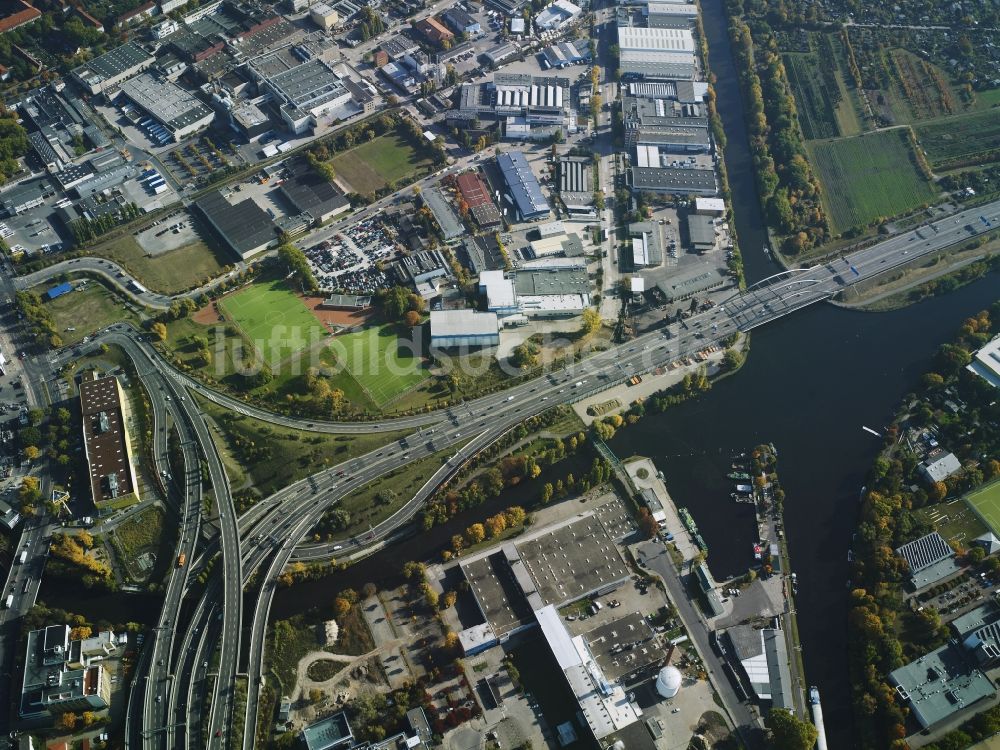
column 106, row 442
column 940, row 686
column 324, row 16
column 61, row 675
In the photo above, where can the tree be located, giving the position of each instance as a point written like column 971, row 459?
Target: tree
column 89, row 718
column 648, row 525
column 731, row 360
column 547, row 491
column 788, row 732
column 159, row 330
column 81, row 632
column 449, row 599
column 525, row 355
column 32, row 453
column 412, row 318
column 451, row 641
column 67, row 721
column 475, row 533
column 590, row 320
column 341, row 607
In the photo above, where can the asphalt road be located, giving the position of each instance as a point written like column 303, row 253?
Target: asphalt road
column 284, row 520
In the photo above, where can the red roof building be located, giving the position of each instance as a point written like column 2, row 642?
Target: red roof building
column 433, row 30
column 14, row 13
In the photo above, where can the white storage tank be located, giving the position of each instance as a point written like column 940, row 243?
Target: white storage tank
column 668, row 682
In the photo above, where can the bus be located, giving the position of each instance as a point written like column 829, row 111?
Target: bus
column 181, row 559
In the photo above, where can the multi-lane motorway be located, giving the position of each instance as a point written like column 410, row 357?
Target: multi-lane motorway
column 270, row 534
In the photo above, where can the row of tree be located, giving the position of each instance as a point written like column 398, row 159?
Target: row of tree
column 86, row 229
column 789, row 191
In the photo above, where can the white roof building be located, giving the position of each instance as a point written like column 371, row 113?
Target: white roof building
column 941, row 467
column 641, row 39
column 710, row 206
column 986, row 363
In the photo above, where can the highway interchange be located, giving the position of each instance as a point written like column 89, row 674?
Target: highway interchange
column 169, row 690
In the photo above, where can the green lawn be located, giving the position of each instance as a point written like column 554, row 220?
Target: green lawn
column 380, row 362
column 986, row 503
column 274, row 457
column 84, row 310
column 955, row 520
column 170, row 272
column 961, row 140
column 274, row 320
column 868, row 176
column 380, row 162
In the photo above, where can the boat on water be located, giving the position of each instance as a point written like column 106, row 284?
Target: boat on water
column 738, row 476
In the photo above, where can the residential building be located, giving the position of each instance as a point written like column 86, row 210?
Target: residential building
column 16, row 13
column 61, row 675
column 106, row 442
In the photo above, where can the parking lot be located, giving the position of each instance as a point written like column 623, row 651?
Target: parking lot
column 174, row 231
column 352, row 260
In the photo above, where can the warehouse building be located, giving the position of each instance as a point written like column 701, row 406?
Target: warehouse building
column 669, row 125
column 669, row 15
column 477, row 197
column 461, row 22
column 656, row 53
column 245, row 227
column 986, row 363
column 106, row 441
column 312, row 90
column 450, row 222
column 556, row 15
column 575, row 185
column 464, row 328
column 647, row 244
column 673, row 180
column 763, row 655
column 701, row 232
column 564, row 54
column 24, row 197
column 174, row 108
column 422, row 270
column 105, row 72
column 929, row 559
column 528, row 107
column 644, row 39
column 523, row 191
column 309, row 193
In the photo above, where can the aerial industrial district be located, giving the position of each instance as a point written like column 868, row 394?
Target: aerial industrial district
column 360, row 197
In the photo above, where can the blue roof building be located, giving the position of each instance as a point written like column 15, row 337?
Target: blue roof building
column 522, row 186
column 59, row 291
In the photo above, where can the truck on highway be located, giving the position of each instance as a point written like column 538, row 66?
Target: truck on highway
column 9, row 601
column 22, row 558
column 181, row 559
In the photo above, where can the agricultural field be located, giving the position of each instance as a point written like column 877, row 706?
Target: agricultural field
column 378, row 163
column 966, row 140
column 273, row 319
column 868, row 176
column 380, row 363
column 90, row 307
column 827, row 108
column 922, row 86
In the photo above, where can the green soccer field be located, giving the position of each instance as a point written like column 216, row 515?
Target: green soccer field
column 380, row 362
column 275, row 321
column 986, row 502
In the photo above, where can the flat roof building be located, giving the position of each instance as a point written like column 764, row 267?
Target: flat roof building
column 106, row 442
column 930, row 558
column 986, row 363
column 331, row 733
column 447, row 219
column 701, row 232
column 311, row 90
column 176, row 109
column 647, row 244
column 575, row 184
column 940, row 685
column 645, row 39
column 524, row 192
column 106, row 71
column 61, row 675
column 557, row 14
column 309, row 193
column 244, row 227
column 462, row 328
column 674, row 180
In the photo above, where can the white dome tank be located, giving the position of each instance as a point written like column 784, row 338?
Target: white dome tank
column 668, row 682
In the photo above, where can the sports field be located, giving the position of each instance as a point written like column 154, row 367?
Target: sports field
column 986, row 502
column 378, row 163
column 380, row 362
column 868, row 176
column 275, row 321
